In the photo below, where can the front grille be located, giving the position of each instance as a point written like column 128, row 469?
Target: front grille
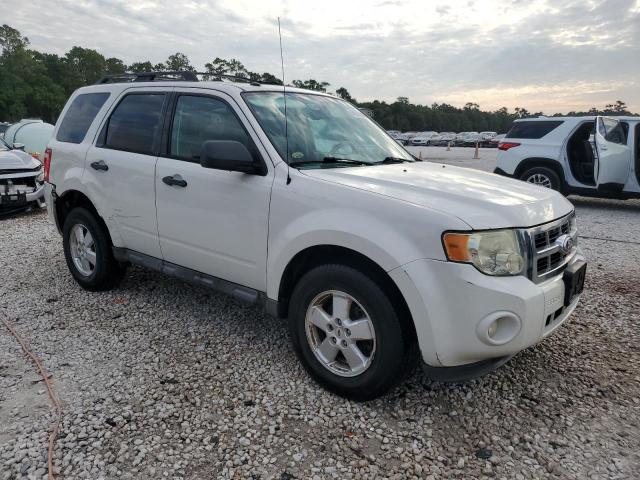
column 548, row 256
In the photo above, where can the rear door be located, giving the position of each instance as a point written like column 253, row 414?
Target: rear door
column 120, row 168
column 613, row 156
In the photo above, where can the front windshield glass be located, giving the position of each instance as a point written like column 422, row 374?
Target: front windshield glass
column 322, row 130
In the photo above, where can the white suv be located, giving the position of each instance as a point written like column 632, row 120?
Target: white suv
column 571, row 155
column 317, row 215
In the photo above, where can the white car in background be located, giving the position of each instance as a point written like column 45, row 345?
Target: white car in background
column 591, row 156
column 405, row 137
column 423, row 138
column 487, row 135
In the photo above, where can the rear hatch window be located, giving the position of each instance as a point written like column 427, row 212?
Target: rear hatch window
column 533, row 130
column 79, row 116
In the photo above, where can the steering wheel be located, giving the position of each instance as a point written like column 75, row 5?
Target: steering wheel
column 338, row 146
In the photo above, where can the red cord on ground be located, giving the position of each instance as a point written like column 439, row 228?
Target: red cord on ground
column 52, row 395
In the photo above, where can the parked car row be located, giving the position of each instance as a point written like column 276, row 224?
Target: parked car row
column 443, row 139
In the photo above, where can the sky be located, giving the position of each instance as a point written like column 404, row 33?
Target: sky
column 550, row 56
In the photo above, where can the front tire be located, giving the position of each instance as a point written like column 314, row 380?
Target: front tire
column 347, row 333
column 87, row 250
column 542, row 176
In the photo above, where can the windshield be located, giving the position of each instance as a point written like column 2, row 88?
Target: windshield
column 322, row 129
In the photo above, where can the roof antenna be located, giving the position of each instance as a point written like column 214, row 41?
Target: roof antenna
column 284, row 95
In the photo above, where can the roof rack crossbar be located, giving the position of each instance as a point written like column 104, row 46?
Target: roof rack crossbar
column 186, row 76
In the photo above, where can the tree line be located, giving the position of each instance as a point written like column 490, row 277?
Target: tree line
column 37, row 84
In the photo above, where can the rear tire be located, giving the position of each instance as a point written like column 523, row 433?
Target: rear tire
column 359, row 357
column 544, row 177
column 88, row 252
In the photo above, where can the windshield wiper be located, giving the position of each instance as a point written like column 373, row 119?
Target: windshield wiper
column 348, row 161
column 395, row 160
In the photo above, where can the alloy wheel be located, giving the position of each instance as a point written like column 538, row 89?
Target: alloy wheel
column 540, row 179
column 83, row 249
column 340, row 333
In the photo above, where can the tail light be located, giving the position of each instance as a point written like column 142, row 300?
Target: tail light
column 504, row 146
column 48, row 154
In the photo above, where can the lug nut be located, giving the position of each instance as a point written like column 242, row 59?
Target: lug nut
column 330, row 327
column 338, row 321
column 348, row 332
column 333, row 339
column 344, row 343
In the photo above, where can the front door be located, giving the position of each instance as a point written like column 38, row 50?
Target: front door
column 613, row 157
column 212, row 221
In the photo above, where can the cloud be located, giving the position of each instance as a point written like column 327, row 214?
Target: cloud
column 538, row 54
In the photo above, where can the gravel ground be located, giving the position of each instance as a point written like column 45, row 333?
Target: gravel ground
column 159, row 379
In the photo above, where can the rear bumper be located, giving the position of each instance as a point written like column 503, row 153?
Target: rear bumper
column 50, row 198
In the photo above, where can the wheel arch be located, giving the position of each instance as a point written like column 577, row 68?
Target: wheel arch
column 71, row 199
column 533, row 162
column 317, row 255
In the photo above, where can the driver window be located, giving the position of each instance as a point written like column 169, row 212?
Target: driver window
column 198, row 119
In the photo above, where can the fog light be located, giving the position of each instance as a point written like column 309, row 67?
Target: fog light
column 492, row 329
column 498, row 328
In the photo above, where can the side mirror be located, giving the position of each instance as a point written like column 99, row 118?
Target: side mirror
column 228, row 155
column 18, row 146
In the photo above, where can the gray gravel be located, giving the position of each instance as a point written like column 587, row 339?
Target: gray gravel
column 160, row 379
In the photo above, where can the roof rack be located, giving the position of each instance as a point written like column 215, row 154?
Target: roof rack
column 184, row 76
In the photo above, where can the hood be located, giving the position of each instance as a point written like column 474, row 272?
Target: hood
column 480, row 199
column 17, row 160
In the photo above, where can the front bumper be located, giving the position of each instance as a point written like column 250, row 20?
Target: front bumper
column 12, row 200
column 452, row 305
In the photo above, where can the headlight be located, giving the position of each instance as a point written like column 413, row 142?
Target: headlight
column 40, row 177
column 494, row 252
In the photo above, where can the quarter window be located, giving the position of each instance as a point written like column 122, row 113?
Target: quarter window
column 136, row 123
column 198, row 119
column 79, row 117
column 532, row 130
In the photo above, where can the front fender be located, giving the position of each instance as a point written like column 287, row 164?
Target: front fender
column 363, row 233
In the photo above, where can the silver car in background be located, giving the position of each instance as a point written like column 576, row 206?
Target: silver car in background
column 21, row 180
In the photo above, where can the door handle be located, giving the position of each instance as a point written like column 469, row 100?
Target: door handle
column 100, row 165
column 175, row 181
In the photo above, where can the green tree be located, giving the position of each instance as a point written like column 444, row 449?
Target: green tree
column 11, row 40
column 345, row 95
column 311, row 84
column 178, row 62
column 138, row 67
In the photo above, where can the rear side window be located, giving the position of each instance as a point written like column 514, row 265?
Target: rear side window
column 79, row 116
column 135, row 124
column 533, row 129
